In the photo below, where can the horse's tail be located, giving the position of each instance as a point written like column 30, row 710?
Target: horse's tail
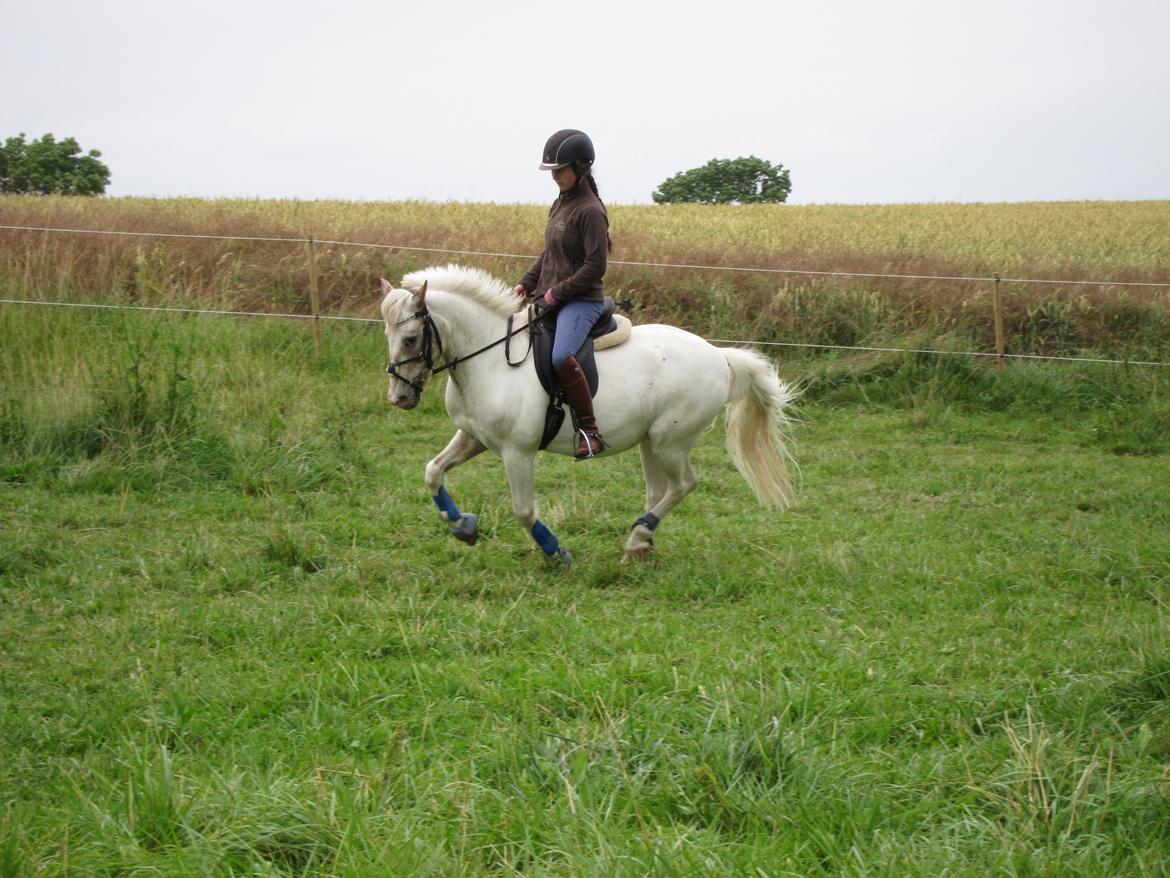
column 757, row 427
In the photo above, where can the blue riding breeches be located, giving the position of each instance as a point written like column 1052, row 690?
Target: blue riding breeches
column 574, row 320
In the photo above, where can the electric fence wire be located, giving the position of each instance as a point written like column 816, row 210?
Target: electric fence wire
column 748, row 342
column 678, row 265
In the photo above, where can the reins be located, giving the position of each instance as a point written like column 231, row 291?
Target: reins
column 431, row 337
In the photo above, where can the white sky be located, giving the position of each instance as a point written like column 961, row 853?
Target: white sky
column 862, row 100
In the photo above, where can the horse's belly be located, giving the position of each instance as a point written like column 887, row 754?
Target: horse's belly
column 663, row 381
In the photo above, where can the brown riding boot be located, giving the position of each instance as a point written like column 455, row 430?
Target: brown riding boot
column 576, row 387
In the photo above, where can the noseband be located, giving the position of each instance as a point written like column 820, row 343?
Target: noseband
column 431, row 337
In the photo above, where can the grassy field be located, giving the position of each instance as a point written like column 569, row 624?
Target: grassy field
column 1118, row 241
column 236, row 640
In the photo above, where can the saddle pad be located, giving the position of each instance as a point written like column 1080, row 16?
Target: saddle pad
column 616, row 337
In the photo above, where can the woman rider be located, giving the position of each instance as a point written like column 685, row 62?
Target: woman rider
column 567, row 275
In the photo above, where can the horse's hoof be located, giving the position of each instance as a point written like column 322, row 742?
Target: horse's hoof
column 466, row 529
column 560, row 558
column 640, row 553
column 640, row 544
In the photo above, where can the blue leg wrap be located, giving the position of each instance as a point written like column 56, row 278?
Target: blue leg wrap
column 648, row 521
column 446, row 504
column 545, row 538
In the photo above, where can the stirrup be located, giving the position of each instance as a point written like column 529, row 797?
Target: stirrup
column 590, row 454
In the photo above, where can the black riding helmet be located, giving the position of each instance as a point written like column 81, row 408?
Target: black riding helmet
column 565, row 147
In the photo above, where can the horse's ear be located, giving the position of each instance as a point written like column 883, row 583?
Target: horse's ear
column 420, row 298
column 386, row 286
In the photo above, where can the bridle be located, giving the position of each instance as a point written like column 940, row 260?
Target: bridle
column 431, row 339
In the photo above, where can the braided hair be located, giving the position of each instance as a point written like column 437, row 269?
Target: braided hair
column 585, row 169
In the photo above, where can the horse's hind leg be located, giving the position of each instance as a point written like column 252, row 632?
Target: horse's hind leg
column 669, row 478
column 461, row 448
column 652, row 472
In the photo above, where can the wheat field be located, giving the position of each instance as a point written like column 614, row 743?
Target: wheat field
column 1069, row 241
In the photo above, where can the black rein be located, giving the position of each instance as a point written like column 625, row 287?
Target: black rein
column 431, row 337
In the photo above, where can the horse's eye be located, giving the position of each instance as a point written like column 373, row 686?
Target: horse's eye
column 410, row 340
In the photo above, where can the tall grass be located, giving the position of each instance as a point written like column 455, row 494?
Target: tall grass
column 1093, row 241
column 102, row 397
column 96, row 397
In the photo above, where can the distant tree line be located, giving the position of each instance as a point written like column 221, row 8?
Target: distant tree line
column 51, row 167
column 745, row 180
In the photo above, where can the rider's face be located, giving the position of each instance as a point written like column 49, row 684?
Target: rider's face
column 565, row 178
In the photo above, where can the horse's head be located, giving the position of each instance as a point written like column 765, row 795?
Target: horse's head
column 413, row 342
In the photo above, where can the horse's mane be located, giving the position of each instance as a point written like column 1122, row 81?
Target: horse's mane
column 477, row 285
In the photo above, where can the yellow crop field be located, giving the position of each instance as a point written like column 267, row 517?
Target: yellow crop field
column 1100, row 241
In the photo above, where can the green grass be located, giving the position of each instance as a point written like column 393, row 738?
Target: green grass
column 236, row 640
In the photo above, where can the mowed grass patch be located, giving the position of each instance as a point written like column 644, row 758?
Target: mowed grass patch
column 238, row 640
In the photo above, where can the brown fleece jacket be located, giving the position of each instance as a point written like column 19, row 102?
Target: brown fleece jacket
column 575, row 241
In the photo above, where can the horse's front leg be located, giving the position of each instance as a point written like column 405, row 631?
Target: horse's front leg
column 461, row 448
column 519, row 467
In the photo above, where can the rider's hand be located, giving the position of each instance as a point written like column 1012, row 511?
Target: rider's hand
column 519, row 292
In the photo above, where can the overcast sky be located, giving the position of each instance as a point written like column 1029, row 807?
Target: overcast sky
column 863, row 101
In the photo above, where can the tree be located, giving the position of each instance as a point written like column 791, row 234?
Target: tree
column 49, row 167
column 748, row 180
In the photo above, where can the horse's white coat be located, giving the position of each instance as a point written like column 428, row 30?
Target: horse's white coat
column 659, row 390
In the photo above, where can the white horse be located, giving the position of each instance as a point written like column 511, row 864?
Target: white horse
column 659, row 390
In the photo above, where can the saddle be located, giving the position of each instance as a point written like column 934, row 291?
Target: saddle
column 609, row 330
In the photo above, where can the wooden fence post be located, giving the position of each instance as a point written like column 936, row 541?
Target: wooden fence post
column 999, row 346
column 314, row 297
